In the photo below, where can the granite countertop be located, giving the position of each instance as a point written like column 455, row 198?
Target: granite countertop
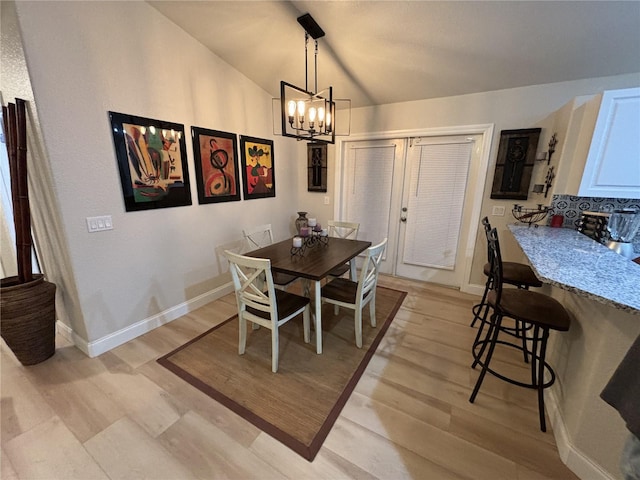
column 572, row 261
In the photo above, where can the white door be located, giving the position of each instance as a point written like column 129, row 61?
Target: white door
column 434, row 221
column 371, row 192
column 417, row 193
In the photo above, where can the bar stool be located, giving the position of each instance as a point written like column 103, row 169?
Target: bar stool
column 517, row 274
column 540, row 311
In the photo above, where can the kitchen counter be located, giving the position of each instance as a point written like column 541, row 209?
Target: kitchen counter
column 572, row 261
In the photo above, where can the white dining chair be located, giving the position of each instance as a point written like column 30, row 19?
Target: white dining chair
column 260, row 303
column 346, row 293
column 262, row 236
column 347, row 230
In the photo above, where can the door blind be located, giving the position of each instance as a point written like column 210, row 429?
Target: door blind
column 370, row 174
column 436, row 197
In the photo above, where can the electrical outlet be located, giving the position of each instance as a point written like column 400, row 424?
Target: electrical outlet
column 99, row 224
column 497, row 211
column 326, row 200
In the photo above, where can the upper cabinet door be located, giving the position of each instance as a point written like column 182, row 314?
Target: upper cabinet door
column 612, row 168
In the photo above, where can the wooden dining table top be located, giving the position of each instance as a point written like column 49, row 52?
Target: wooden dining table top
column 317, row 261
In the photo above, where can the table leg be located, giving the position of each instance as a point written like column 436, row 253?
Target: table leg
column 318, row 319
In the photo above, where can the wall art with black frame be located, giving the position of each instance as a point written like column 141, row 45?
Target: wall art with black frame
column 316, row 167
column 216, row 162
column 152, row 160
column 514, row 165
column 258, row 172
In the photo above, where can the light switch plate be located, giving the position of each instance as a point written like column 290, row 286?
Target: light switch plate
column 497, row 211
column 99, row 224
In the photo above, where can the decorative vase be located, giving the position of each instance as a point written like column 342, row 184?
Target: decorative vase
column 28, row 318
column 301, row 221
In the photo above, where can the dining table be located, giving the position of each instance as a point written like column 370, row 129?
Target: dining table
column 313, row 263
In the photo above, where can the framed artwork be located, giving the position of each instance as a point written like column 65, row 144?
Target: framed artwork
column 152, row 160
column 217, row 174
column 258, row 173
column 514, row 166
column 316, row 167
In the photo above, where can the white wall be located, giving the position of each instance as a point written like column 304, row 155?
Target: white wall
column 86, row 58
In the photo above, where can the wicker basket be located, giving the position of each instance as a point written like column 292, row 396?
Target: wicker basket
column 28, row 318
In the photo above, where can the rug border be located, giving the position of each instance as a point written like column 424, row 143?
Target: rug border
column 308, row 452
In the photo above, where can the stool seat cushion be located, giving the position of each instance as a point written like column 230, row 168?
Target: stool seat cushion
column 532, row 307
column 516, row 274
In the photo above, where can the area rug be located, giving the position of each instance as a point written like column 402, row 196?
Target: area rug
column 299, row 404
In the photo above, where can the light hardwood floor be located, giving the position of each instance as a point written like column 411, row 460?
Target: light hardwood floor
column 121, row 415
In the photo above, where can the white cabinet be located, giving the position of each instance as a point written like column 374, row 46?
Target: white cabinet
column 600, row 145
column 612, row 168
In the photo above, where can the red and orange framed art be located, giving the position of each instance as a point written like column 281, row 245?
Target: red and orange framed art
column 216, row 161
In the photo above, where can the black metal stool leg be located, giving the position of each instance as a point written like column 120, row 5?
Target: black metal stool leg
column 496, row 320
column 541, row 364
column 477, row 309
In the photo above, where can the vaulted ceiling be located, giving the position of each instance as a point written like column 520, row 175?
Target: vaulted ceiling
column 378, row 52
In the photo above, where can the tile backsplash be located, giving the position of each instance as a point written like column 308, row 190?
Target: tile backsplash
column 572, row 207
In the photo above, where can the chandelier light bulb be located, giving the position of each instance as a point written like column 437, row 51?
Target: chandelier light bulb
column 328, row 118
column 291, row 109
column 152, row 129
column 301, row 108
column 312, row 117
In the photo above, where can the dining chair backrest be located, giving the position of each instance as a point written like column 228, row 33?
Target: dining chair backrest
column 253, row 283
column 343, row 229
column 258, row 237
column 487, row 229
column 370, row 269
column 496, row 263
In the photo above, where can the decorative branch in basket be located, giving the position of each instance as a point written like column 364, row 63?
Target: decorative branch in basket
column 27, row 301
column 15, row 131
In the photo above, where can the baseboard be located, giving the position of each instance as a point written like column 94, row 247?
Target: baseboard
column 115, row 339
column 473, row 289
column 573, row 458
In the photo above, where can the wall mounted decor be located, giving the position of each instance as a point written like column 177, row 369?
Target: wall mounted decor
column 516, row 156
column 216, row 159
column 258, row 173
column 152, row 159
column 317, row 167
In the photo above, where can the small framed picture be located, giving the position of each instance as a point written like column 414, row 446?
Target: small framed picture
column 152, row 160
column 258, row 173
column 317, row 167
column 216, row 161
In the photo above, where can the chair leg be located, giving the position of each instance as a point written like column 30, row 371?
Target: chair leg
column 523, row 331
column 242, row 341
column 479, row 334
column 274, row 349
column 372, row 310
column 336, row 309
column 541, row 364
column 306, row 322
column 496, row 320
column 358, row 327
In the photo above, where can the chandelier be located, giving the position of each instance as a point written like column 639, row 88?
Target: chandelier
column 308, row 115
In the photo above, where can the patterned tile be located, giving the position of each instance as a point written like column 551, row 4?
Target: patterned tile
column 572, row 207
